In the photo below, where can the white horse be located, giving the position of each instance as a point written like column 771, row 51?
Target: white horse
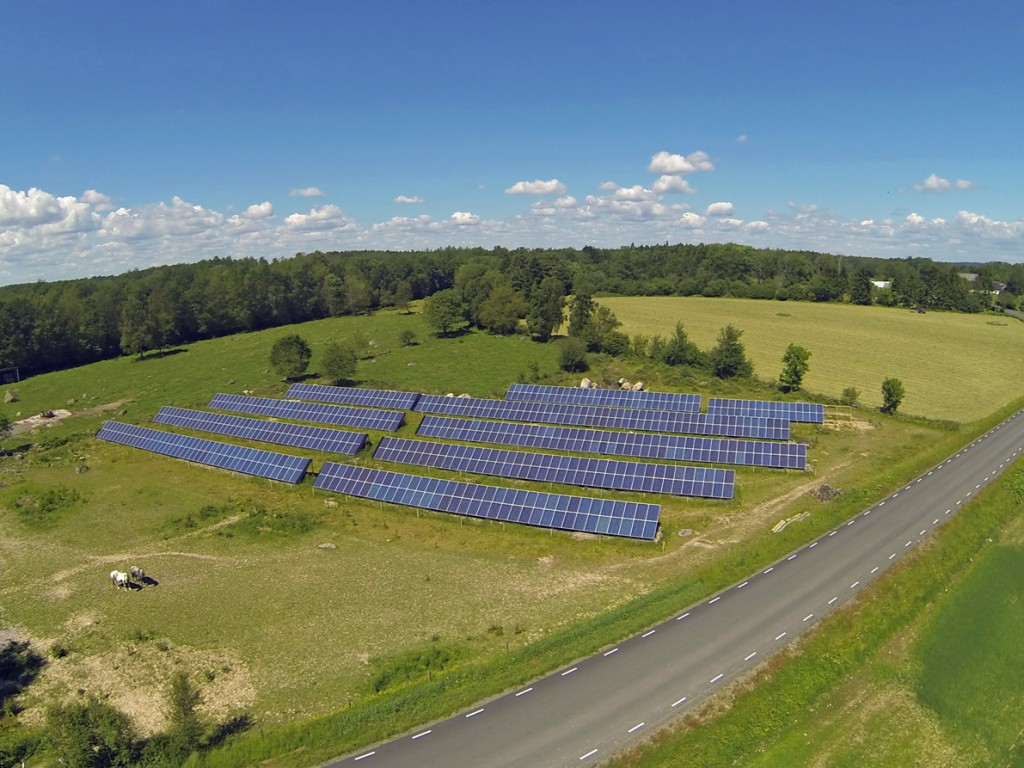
column 119, row 579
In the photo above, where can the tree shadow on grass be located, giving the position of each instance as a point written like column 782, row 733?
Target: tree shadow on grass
column 231, row 726
column 19, row 666
column 159, row 353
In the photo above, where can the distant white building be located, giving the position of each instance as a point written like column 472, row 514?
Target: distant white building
column 882, row 284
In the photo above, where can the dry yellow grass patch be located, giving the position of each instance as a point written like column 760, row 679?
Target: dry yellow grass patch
column 953, row 366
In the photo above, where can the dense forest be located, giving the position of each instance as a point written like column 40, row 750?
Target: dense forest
column 48, row 326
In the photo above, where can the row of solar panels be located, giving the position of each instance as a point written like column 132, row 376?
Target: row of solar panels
column 549, row 510
column 566, row 439
column 577, row 396
column 708, row 450
column 569, row 470
column 545, row 510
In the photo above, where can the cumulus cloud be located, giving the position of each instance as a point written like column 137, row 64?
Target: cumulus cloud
column 692, row 220
column 420, row 223
column 538, row 187
column 667, row 183
column 100, row 202
column 31, row 208
column 742, row 139
column 324, row 217
column 463, row 218
column 414, row 200
column 262, row 210
column 636, row 194
column 307, row 192
column 936, row 183
column 720, row 209
column 677, row 165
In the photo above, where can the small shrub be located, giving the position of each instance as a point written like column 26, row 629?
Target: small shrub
column 572, row 355
column 849, row 396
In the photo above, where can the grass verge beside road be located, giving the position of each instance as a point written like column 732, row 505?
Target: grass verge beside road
column 815, row 704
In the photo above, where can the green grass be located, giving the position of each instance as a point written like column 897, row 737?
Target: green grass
column 243, row 582
column 970, row 654
column 884, row 682
column 954, row 367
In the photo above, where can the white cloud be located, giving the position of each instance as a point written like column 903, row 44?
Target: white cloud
column 677, row 165
column 915, row 219
column 262, row 210
column 607, row 185
column 100, row 202
column 565, row 202
column 538, row 187
column 720, row 209
column 307, row 192
column 742, row 139
column 420, row 223
column 32, row 208
column 757, row 226
column 635, row 194
column 668, row 183
column 463, row 218
column 414, row 200
column 324, row 217
column 692, row 220
column 936, row 183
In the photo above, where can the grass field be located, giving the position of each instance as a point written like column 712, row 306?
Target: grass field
column 953, row 367
column 247, row 596
column 924, row 670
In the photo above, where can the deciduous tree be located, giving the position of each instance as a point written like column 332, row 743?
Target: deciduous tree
column 794, row 366
column 892, row 395
column 290, row 356
column 444, row 310
column 339, row 361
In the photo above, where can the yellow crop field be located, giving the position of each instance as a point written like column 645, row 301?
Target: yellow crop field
column 953, row 366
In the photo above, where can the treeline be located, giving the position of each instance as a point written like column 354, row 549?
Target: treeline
column 48, row 326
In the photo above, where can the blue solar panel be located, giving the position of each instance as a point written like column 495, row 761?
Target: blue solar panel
column 281, row 433
column 374, row 398
column 250, row 461
column 361, row 418
column 646, row 446
column 570, row 470
column 725, row 425
column 813, row 413
column 544, row 510
column 618, row 398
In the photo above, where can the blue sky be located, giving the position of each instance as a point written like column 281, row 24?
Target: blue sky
column 136, row 134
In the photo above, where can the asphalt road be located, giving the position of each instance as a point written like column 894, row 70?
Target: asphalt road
column 585, row 713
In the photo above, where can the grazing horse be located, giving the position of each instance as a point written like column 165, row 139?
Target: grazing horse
column 119, row 579
column 137, row 573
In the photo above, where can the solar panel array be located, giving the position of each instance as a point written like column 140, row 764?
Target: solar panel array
column 619, row 398
column 361, row 418
column 570, row 470
column 725, row 425
column 647, row 446
column 296, row 435
column 544, row 510
column 374, row 398
column 813, row 413
column 250, row 461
